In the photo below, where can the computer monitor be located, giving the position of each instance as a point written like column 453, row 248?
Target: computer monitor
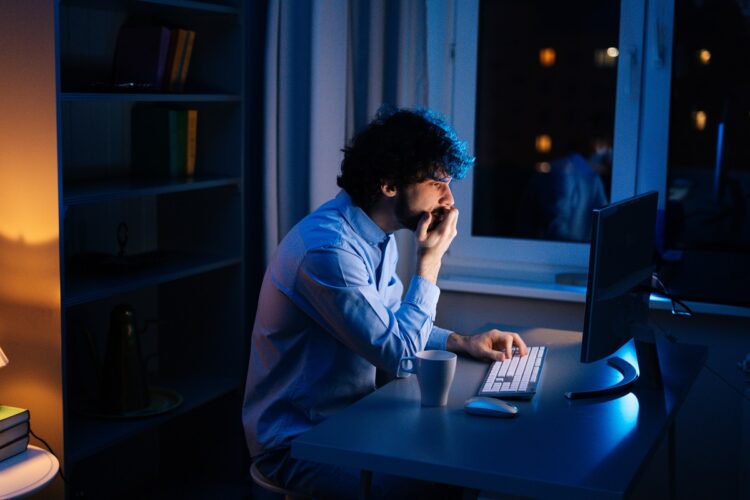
column 621, row 262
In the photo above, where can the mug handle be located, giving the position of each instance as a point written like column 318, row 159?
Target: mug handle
column 412, row 360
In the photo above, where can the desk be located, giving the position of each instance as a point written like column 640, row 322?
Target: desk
column 572, row 449
column 27, row 472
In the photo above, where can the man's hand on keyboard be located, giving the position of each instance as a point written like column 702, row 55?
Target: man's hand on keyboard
column 493, row 345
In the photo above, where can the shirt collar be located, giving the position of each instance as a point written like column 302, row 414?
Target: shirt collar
column 360, row 221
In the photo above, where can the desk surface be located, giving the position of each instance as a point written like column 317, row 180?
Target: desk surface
column 27, row 472
column 554, row 447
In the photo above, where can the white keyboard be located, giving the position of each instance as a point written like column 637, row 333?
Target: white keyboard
column 517, row 377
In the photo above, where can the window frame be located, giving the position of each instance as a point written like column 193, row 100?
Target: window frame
column 518, row 262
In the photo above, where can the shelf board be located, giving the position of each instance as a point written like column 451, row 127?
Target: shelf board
column 88, row 435
column 190, row 5
column 97, row 191
column 146, row 97
column 81, row 289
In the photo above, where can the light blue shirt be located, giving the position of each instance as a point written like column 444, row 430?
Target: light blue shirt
column 330, row 311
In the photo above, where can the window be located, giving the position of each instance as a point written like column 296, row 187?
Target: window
column 545, row 109
column 681, row 109
column 698, row 147
column 542, row 88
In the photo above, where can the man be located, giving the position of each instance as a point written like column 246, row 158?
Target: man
column 331, row 309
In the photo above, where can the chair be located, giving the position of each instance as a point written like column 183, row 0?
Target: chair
column 267, row 485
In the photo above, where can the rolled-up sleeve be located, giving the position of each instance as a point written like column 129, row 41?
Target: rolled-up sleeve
column 337, row 290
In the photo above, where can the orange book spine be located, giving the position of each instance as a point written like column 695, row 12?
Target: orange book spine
column 190, row 41
column 192, row 132
column 177, row 57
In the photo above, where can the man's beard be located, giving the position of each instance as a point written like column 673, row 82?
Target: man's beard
column 407, row 217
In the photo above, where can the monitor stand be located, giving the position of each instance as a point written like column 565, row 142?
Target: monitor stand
column 650, row 374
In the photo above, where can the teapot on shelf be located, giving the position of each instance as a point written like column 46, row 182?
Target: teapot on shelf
column 123, row 385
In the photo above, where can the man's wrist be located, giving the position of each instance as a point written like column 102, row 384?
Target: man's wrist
column 455, row 343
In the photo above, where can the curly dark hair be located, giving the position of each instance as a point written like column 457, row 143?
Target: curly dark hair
column 401, row 147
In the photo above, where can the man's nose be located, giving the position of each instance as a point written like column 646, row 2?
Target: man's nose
column 447, row 198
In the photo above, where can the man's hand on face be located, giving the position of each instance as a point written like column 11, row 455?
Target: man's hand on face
column 492, row 345
column 433, row 237
column 436, row 230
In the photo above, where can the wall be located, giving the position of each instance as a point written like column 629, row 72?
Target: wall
column 29, row 239
column 713, row 426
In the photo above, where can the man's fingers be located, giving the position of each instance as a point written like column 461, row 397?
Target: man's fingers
column 522, row 349
column 509, row 346
column 423, row 225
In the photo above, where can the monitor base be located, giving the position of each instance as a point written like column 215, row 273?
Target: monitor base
column 650, row 373
column 629, row 377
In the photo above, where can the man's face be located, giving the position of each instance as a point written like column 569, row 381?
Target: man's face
column 431, row 195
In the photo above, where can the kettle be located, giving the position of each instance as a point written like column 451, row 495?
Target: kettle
column 123, row 386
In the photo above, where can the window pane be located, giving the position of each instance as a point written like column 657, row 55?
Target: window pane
column 545, row 116
column 709, row 131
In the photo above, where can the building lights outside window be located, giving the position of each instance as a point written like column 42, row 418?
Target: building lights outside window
column 606, row 58
column 699, row 120
column 543, row 143
column 704, row 56
column 547, row 57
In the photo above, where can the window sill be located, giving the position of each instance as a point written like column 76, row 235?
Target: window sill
column 530, row 289
column 512, row 288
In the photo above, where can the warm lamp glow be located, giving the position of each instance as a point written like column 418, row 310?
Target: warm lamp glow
column 28, row 128
column 704, row 56
column 613, row 52
column 547, row 57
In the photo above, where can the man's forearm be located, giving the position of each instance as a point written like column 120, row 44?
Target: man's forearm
column 456, row 343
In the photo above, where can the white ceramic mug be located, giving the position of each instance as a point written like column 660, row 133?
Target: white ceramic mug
column 434, row 370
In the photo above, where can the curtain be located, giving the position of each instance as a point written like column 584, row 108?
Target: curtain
column 330, row 64
column 286, row 118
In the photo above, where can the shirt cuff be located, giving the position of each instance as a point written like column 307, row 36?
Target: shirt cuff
column 438, row 338
column 424, row 294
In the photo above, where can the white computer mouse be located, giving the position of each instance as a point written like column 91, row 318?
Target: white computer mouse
column 489, row 407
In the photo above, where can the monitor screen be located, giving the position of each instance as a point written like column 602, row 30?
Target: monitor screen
column 621, row 262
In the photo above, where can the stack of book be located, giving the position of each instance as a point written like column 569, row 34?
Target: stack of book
column 14, row 431
column 163, row 141
column 153, row 58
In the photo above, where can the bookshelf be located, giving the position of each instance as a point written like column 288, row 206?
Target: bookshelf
column 183, row 267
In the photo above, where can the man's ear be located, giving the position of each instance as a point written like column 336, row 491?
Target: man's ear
column 388, row 189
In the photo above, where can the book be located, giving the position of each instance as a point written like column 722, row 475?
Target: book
column 14, row 447
column 163, row 141
column 185, row 63
column 178, row 145
column 192, row 134
column 12, row 433
column 10, row 416
column 141, row 56
column 178, row 41
column 155, row 142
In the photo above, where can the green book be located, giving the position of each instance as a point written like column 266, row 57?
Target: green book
column 10, row 416
column 155, row 142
